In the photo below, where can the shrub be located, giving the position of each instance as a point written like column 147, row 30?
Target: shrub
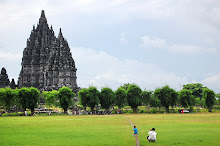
column 154, row 110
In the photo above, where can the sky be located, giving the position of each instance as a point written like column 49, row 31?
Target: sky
column 151, row 43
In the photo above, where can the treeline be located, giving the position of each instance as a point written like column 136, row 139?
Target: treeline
column 29, row 98
column 129, row 94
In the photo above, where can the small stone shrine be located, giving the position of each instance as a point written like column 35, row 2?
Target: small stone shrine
column 4, row 81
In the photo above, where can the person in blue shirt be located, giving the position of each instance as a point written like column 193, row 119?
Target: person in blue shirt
column 135, row 130
column 136, row 135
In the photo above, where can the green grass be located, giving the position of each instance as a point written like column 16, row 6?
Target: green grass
column 96, row 130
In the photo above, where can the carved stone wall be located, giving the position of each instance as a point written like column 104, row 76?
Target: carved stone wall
column 47, row 62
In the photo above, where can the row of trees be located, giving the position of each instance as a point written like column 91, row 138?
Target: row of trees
column 128, row 94
column 132, row 95
column 28, row 98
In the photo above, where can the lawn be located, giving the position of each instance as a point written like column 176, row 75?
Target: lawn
column 172, row 129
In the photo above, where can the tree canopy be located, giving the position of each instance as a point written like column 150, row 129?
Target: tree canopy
column 134, row 96
column 120, row 97
column 164, row 95
column 65, row 96
column 93, row 97
column 107, row 97
column 209, row 97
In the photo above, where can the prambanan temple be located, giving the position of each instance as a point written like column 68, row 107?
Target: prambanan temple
column 47, row 62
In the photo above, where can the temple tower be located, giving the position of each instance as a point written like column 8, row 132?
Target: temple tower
column 47, row 62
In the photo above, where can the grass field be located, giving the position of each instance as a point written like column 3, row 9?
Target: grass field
column 97, row 130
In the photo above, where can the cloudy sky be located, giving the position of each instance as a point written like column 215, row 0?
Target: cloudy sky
column 148, row 42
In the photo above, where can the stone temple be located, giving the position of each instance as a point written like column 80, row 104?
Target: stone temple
column 47, row 62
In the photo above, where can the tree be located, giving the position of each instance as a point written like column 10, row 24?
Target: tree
column 106, row 97
column 186, row 98
column 83, row 97
column 93, row 97
column 134, row 97
column 218, row 98
column 164, row 94
column 209, row 97
column 174, row 98
column 65, row 96
column 196, row 89
column 155, row 101
column 2, row 96
column 197, row 102
column 125, row 86
column 146, row 97
column 120, row 97
column 33, row 98
column 23, row 94
column 50, row 97
column 8, row 96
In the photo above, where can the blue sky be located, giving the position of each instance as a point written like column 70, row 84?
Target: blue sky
column 148, row 42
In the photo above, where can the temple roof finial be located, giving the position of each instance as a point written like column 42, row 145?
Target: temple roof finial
column 43, row 18
column 42, row 13
column 60, row 35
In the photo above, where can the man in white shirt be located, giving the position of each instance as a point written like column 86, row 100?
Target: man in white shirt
column 152, row 135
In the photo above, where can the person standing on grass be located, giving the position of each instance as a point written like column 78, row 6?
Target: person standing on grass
column 136, row 135
column 152, row 135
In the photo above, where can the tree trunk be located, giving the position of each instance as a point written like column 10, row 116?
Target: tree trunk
column 134, row 110
column 210, row 109
column 92, row 108
column 65, row 110
column 167, row 109
column 32, row 111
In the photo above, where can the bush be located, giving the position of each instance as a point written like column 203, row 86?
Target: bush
column 154, row 110
column 128, row 111
column 114, row 111
column 142, row 111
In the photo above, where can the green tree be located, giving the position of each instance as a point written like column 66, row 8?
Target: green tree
column 174, row 97
column 50, row 98
column 164, row 94
column 146, row 97
column 209, row 97
column 155, row 101
column 8, row 98
column 120, row 97
column 134, row 97
column 93, row 96
column 23, row 95
column 196, row 89
column 218, row 98
column 107, row 97
column 125, row 86
column 33, row 98
column 65, row 96
column 197, row 102
column 83, row 97
column 2, row 96
column 186, row 98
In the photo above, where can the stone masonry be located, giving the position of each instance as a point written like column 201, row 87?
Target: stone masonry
column 47, row 62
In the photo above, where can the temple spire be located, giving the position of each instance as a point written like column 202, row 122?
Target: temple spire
column 43, row 18
column 60, row 35
column 42, row 13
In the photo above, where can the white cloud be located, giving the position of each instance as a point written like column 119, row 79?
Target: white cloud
column 149, row 42
column 153, row 41
column 123, row 38
column 7, row 56
column 212, row 82
column 101, row 69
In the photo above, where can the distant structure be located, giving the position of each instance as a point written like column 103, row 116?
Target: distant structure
column 4, row 81
column 47, row 62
